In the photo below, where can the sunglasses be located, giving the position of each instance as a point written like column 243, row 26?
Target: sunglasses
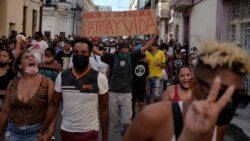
column 239, row 98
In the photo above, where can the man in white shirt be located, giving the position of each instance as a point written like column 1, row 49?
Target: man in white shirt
column 82, row 90
column 39, row 47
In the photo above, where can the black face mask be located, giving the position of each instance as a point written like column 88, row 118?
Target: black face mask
column 226, row 114
column 3, row 64
column 80, row 62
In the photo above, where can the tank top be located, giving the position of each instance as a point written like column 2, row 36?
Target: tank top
column 34, row 110
column 177, row 97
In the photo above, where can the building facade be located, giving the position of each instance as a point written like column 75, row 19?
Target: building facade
column 203, row 20
column 64, row 17
column 19, row 15
column 104, row 8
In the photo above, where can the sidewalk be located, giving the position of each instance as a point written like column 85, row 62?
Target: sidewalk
column 242, row 121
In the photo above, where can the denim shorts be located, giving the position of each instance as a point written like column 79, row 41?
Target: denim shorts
column 22, row 133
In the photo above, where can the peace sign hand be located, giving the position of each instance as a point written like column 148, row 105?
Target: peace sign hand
column 202, row 115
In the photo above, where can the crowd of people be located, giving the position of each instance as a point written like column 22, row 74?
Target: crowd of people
column 102, row 83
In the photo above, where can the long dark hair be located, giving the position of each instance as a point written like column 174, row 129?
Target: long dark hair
column 11, row 57
column 18, row 61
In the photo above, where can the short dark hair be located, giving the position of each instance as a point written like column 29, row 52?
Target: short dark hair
column 83, row 40
column 38, row 33
column 164, row 46
column 123, row 45
column 51, row 50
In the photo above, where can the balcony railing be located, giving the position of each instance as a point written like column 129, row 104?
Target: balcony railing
column 180, row 5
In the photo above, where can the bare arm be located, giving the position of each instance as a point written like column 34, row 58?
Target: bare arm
column 97, row 52
column 166, row 94
column 5, row 111
column 149, row 43
column 149, row 123
column 52, row 126
column 51, row 112
column 104, row 115
column 18, row 46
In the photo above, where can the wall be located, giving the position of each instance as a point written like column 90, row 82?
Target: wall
column 32, row 5
column 203, row 22
column 14, row 14
column 2, row 17
column 178, row 20
column 57, row 24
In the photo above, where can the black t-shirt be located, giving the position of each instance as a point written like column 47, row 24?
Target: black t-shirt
column 140, row 72
column 177, row 63
column 121, row 71
column 5, row 79
column 63, row 59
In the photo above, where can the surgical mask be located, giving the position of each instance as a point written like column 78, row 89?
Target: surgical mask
column 195, row 62
column 226, row 114
column 31, row 70
column 80, row 62
column 3, row 64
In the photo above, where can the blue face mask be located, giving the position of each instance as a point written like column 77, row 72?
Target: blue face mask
column 123, row 55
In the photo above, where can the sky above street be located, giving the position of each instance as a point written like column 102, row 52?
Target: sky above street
column 117, row 5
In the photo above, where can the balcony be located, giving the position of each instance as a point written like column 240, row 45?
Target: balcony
column 180, row 5
column 162, row 10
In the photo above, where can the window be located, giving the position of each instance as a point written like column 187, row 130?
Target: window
column 34, row 21
column 24, row 18
column 176, row 33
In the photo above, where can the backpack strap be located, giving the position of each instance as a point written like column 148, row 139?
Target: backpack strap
column 177, row 117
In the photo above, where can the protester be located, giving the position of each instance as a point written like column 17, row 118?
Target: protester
column 6, row 72
column 39, row 46
column 219, row 71
column 140, row 72
column 82, row 90
column 156, row 63
column 177, row 60
column 26, row 102
column 112, row 48
column 180, row 91
column 192, row 61
column 50, row 67
column 120, row 104
column 63, row 57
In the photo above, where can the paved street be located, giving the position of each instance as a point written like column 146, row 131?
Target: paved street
column 241, row 123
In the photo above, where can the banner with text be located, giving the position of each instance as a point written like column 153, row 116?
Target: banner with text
column 123, row 23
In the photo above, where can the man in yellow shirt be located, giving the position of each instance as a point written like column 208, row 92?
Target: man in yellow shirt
column 156, row 61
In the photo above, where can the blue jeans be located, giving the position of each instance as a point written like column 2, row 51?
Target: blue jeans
column 154, row 88
column 22, row 133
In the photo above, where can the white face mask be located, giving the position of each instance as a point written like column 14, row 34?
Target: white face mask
column 195, row 61
column 31, row 70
